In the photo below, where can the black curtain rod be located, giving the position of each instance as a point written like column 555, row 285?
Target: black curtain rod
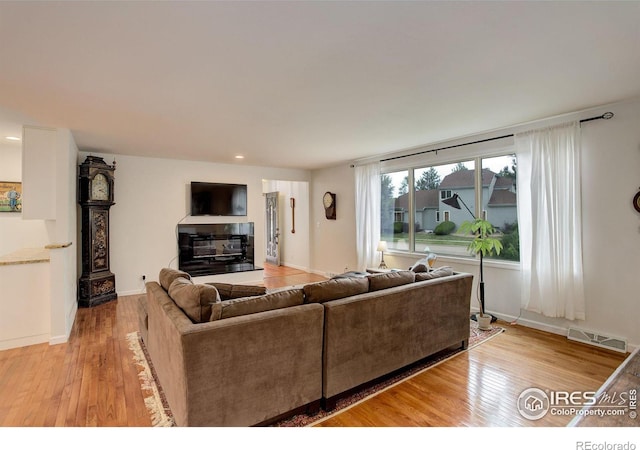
column 605, row 116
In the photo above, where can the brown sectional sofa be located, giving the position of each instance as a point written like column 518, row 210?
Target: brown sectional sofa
column 264, row 354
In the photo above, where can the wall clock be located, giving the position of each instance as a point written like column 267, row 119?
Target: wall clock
column 95, row 188
column 329, row 203
column 636, row 202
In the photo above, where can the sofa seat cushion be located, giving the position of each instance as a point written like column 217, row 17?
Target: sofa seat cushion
column 250, row 305
column 436, row 273
column 229, row 291
column 379, row 281
column 334, row 289
column 194, row 299
column 167, row 276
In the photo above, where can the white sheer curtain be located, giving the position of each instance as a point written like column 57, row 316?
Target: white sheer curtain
column 550, row 221
column 367, row 213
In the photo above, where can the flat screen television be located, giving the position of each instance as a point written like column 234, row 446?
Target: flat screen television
column 218, row 199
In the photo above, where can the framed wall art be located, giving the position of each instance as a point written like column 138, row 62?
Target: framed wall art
column 10, row 196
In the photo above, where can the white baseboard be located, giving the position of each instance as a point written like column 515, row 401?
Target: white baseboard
column 319, row 272
column 295, row 266
column 562, row 331
column 54, row 340
column 136, row 292
column 23, row 341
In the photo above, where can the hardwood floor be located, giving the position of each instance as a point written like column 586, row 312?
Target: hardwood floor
column 279, row 276
column 480, row 387
column 92, row 380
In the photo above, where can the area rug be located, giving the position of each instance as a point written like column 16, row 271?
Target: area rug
column 154, row 398
column 161, row 414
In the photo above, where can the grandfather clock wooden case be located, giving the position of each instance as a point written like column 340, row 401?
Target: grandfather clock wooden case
column 97, row 284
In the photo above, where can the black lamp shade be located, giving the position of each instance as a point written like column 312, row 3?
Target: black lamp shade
column 452, row 201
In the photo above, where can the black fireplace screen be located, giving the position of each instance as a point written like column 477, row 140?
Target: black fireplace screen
column 210, row 249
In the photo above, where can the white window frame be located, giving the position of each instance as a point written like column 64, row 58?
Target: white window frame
column 476, row 153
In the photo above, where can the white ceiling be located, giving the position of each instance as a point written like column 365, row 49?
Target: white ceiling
column 307, row 84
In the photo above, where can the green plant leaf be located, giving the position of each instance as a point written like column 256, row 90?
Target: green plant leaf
column 483, row 242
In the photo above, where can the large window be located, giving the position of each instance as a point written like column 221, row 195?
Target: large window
column 415, row 217
column 394, row 214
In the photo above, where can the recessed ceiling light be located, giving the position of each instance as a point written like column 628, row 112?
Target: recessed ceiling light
column 239, row 157
column 13, row 138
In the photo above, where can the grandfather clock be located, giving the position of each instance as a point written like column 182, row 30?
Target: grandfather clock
column 97, row 284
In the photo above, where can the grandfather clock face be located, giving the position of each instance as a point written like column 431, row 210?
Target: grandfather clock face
column 99, row 188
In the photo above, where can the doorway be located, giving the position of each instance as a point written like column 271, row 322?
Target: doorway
column 287, row 229
column 272, row 228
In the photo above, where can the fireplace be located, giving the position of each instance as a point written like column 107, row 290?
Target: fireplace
column 211, row 249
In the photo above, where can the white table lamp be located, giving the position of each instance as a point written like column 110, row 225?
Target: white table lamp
column 382, row 247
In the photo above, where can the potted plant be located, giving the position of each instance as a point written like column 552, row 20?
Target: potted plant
column 483, row 244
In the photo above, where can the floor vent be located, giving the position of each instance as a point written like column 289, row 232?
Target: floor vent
column 592, row 338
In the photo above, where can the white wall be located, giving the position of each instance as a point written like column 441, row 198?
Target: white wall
column 10, row 161
column 39, row 160
column 152, row 197
column 63, row 230
column 40, row 301
column 611, row 177
column 333, row 248
column 611, row 232
column 25, row 313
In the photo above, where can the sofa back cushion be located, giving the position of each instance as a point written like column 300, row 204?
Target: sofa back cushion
column 228, row 291
column 250, row 305
column 437, row 273
column 167, row 276
column 387, row 280
column 194, row 299
column 333, row 289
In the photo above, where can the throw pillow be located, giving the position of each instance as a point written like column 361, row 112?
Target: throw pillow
column 437, row 273
column 224, row 289
column 420, row 266
column 241, row 290
column 387, row 280
column 167, row 276
column 325, row 291
column 250, row 305
column 194, row 299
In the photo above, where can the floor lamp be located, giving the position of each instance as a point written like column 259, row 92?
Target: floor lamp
column 454, row 202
